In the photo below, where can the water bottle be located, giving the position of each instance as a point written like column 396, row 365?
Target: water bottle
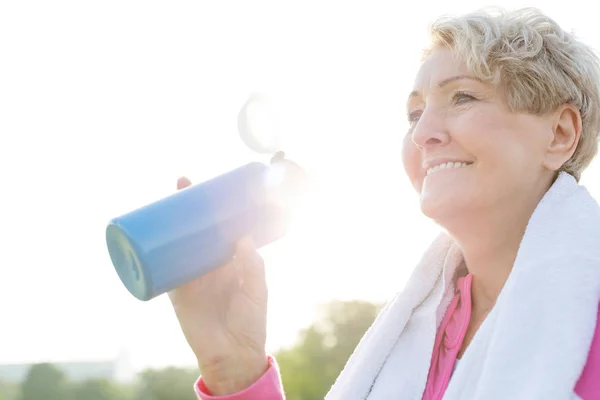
column 163, row 245
column 168, row 243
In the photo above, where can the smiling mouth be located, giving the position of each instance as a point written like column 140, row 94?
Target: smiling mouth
column 448, row 165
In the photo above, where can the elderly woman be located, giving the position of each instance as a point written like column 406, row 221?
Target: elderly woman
column 504, row 117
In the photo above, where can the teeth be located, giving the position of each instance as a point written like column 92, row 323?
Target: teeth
column 447, row 165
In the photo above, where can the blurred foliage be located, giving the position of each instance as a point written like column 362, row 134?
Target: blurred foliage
column 100, row 389
column 167, row 384
column 9, row 390
column 308, row 368
column 45, row 381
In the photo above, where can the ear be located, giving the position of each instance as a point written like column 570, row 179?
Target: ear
column 566, row 131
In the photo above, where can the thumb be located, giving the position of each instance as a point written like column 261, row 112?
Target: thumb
column 252, row 268
column 183, row 182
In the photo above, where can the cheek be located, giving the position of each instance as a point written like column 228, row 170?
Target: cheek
column 411, row 159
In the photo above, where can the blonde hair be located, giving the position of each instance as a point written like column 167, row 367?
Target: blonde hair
column 541, row 66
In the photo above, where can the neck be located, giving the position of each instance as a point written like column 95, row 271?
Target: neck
column 490, row 245
column 489, row 258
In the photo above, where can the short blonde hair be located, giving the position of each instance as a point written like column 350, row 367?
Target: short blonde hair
column 541, row 65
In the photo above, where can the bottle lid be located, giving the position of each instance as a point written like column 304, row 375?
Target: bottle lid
column 258, row 125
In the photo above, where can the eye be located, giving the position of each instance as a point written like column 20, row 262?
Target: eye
column 413, row 116
column 462, row 98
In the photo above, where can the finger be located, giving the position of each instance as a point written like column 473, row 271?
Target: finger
column 251, row 266
column 245, row 245
column 242, row 256
column 183, row 182
column 254, row 278
column 247, row 255
column 239, row 271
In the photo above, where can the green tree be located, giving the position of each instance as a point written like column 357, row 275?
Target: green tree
column 9, row 390
column 167, row 384
column 45, row 381
column 309, row 368
column 98, row 389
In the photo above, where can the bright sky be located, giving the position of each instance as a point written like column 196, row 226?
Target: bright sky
column 104, row 104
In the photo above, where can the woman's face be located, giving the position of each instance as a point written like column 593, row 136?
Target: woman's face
column 465, row 150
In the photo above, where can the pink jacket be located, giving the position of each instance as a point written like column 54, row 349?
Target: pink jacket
column 269, row 387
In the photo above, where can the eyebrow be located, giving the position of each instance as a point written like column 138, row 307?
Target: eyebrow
column 447, row 81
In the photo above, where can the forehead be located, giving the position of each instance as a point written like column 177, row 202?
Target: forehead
column 438, row 66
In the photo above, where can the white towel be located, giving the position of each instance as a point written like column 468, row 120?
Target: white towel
column 532, row 345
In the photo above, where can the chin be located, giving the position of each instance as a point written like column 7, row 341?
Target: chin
column 448, row 194
column 443, row 208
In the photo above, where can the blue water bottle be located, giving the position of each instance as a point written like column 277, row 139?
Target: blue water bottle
column 165, row 244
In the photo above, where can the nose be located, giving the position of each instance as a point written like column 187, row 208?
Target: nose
column 430, row 130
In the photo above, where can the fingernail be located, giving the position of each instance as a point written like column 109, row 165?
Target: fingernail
column 183, row 182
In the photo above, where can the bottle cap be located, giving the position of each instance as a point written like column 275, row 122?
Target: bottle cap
column 258, row 125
